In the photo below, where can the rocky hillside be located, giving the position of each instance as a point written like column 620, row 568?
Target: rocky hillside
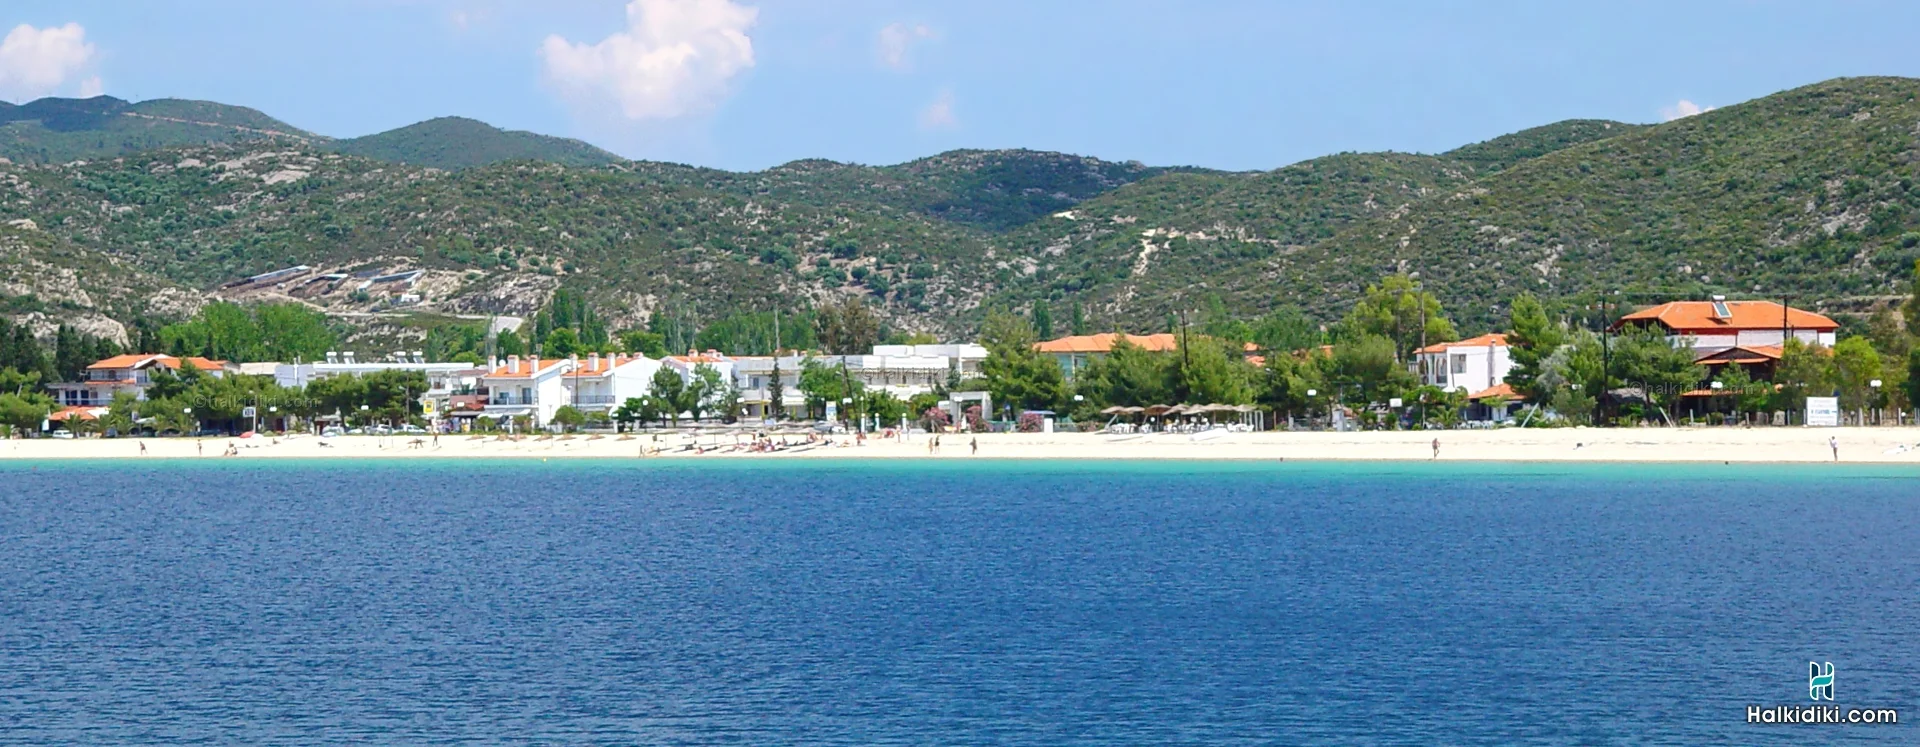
column 1807, row 192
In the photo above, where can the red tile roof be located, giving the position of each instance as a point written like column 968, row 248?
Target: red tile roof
column 137, row 360
column 1104, row 342
column 1502, row 391
column 1496, row 339
column 1699, row 317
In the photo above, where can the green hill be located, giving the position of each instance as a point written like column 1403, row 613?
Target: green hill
column 458, row 143
column 55, row 130
column 1507, row 150
column 1808, row 192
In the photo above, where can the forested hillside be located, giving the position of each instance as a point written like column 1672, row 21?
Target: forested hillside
column 1809, row 192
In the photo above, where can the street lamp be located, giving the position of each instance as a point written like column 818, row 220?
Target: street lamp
column 1876, row 400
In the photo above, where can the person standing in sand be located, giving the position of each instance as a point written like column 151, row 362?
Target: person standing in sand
column 143, row 448
column 1834, row 443
column 974, row 443
column 1436, row 449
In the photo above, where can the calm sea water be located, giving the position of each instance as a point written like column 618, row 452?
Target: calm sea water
column 949, row 603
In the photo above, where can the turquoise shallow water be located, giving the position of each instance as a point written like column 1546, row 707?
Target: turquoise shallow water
column 950, row 602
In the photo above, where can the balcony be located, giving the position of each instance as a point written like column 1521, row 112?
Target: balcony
column 508, row 400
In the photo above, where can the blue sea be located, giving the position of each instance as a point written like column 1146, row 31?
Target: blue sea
column 949, row 603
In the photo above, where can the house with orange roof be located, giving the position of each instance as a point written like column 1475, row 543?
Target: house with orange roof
column 1074, row 352
column 1718, row 325
column 131, row 372
column 539, row 387
column 1473, row 365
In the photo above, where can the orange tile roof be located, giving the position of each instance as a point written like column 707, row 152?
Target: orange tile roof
column 1103, row 342
column 1697, row 317
column 135, row 360
column 84, row 413
column 1503, row 391
column 1496, row 339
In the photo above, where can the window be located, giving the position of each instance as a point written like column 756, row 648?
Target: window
column 1459, row 364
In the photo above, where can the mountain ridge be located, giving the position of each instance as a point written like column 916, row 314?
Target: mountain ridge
column 1807, row 191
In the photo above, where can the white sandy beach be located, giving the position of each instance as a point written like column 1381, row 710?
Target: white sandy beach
column 1757, row 445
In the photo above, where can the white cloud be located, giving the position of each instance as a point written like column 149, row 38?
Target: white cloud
column 675, row 58
column 1682, row 110
column 92, row 87
column 896, row 40
column 939, row 114
column 37, row 62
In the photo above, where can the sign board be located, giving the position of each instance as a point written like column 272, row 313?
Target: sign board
column 1823, row 411
column 1395, row 402
column 247, row 412
column 427, row 406
column 833, row 410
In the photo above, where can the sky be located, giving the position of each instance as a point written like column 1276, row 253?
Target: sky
column 750, row 84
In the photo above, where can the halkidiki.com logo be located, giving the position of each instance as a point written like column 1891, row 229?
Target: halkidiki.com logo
column 1820, row 687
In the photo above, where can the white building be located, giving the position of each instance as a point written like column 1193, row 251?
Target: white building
column 441, row 377
column 753, row 376
column 965, row 356
column 126, row 373
column 1718, row 325
column 539, row 387
column 1474, row 366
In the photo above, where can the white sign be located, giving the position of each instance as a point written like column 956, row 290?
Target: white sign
column 1394, row 402
column 1823, row 411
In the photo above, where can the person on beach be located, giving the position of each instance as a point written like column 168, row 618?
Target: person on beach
column 974, row 443
column 143, row 448
column 202, row 445
column 1834, row 443
column 1436, row 449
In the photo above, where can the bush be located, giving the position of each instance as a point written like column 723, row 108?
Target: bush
column 1030, row 422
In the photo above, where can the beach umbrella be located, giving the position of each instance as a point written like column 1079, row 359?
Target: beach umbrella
column 1114, row 410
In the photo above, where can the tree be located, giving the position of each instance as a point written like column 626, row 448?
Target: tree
column 1911, row 308
column 846, row 328
column 1803, row 371
column 1221, row 323
column 1912, row 385
column 121, row 413
column 1285, row 380
column 1042, row 319
column 1212, row 371
column 823, row 383
column 1365, row 371
column 638, row 410
column 1285, row 329
column 561, row 343
column 1078, row 320
column 1856, row 365
column 1644, row 357
column 669, row 392
column 706, row 390
column 1533, row 338
column 24, row 412
column 569, row 417
column 1127, row 376
column 1016, row 373
column 650, row 344
column 1396, row 310
column 19, row 382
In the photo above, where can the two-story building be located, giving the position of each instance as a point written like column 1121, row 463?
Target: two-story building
column 1476, row 365
column 1074, row 352
column 1747, row 333
column 539, row 387
column 125, row 373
